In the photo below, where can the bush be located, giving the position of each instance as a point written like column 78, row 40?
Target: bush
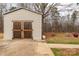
column 53, row 34
column 75, row 34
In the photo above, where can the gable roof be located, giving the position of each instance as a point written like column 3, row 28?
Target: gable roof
column 20, row 9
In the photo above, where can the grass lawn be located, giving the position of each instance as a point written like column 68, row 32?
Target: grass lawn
column 61, row 38
column 65, row 51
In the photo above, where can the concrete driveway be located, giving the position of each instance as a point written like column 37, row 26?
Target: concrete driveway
column 24, row 47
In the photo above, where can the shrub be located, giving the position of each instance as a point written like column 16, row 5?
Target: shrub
column 75, row 34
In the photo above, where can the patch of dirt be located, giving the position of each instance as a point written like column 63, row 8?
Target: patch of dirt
column 49, row 34
column 69, row 51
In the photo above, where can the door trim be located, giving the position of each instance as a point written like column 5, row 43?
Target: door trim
column 22, row 29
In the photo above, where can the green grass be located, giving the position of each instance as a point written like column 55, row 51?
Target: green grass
column 63, row 40
column 57, row 52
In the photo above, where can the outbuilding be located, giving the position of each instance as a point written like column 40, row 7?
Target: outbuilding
column 22, row 23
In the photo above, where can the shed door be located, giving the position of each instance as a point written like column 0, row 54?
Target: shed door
column 27, row 30
column 22, row 29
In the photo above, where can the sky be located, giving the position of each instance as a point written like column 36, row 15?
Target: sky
column 61, row 7
column 65, row 9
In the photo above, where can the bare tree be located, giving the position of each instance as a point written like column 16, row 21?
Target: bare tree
column 73, row 19
column 55, row 17
column 43, row 8
column 21, row 5
column 2, row 7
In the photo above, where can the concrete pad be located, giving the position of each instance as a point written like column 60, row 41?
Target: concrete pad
column 24, row 47
column 43, row 49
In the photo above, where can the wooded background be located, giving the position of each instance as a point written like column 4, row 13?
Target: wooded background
column 51, row 19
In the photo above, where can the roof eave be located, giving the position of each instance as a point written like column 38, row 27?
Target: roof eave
column 20, row 9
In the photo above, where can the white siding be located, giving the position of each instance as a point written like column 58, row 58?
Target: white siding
column 22, row 15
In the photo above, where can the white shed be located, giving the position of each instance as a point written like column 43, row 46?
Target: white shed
column 22, row 24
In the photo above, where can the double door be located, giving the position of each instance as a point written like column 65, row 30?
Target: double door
column 22, row 29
